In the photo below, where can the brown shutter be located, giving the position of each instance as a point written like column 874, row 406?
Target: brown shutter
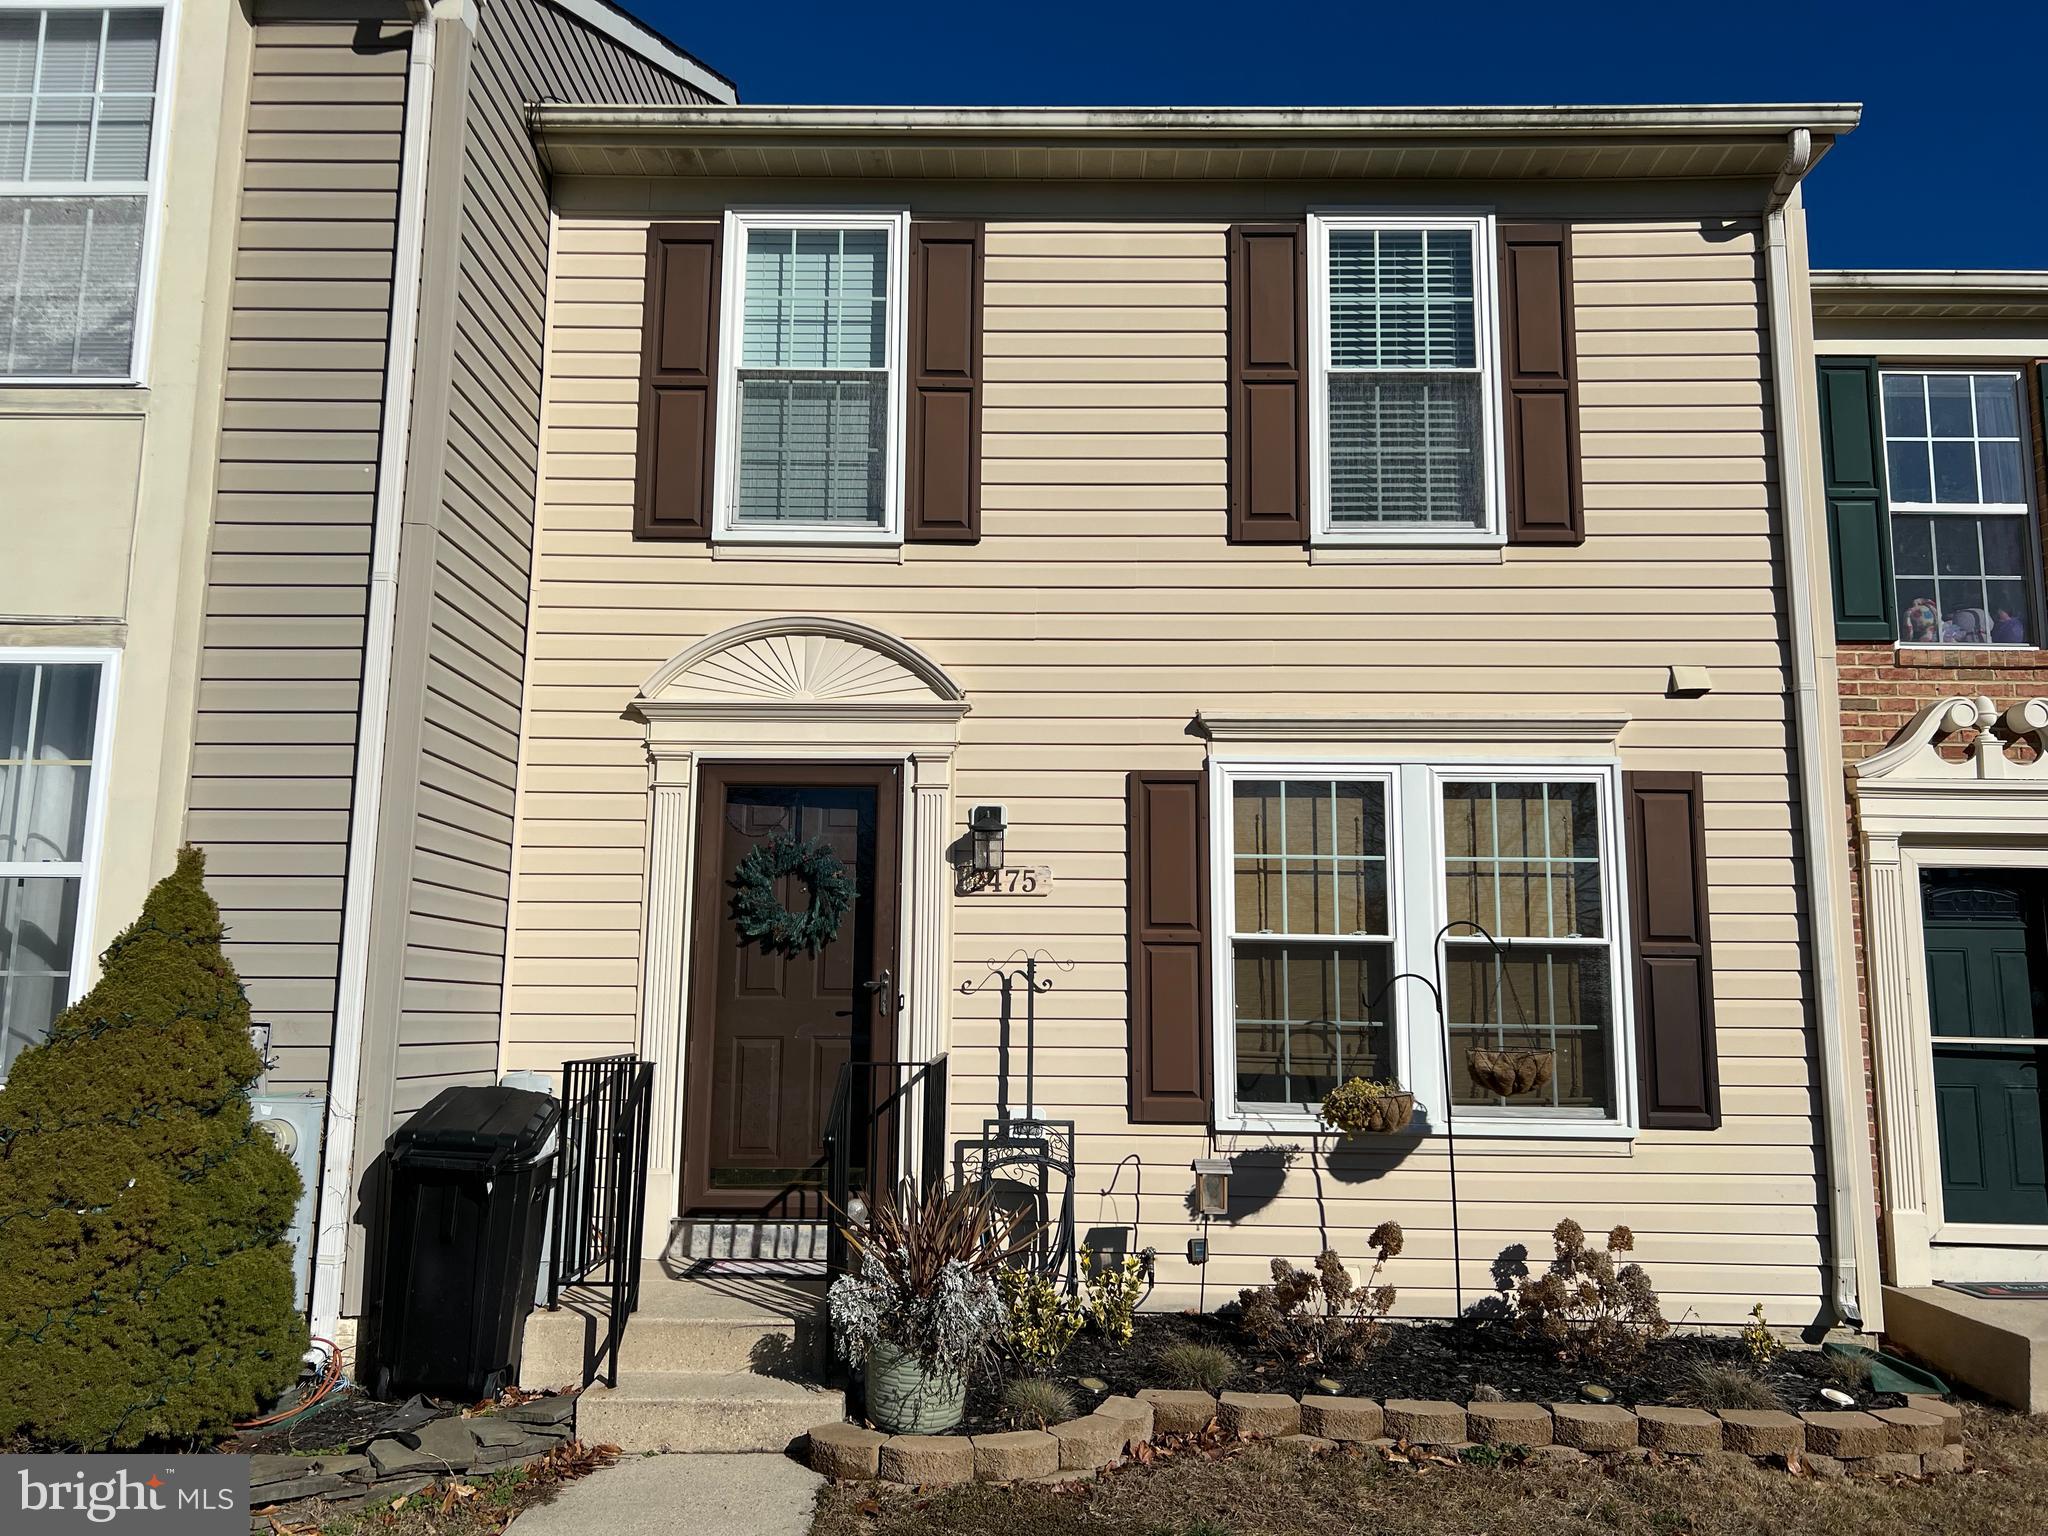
column 678, row 383
column 942, row 500
column 1540, row 393
column 1674, row 974
column 1169, row 971
column 1269, row 383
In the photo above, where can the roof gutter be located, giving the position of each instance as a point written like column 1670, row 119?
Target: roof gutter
column 344, row 1073
column 1823, row 812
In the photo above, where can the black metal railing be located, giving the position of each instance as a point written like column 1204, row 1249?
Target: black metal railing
column 887, row 1123
column 601, row 1194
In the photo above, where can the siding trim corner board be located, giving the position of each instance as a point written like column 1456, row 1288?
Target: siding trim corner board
column 672, row 493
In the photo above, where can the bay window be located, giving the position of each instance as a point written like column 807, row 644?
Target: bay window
column 53, row 712
column 813, row 408
column 79, row 101
column 1338, row 880
column 1405, row 381
column 1964, row 557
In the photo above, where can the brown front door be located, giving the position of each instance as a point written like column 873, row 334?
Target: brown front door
column 769, row 1030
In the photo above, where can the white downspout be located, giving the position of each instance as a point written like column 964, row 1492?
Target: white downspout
column 344, row 1074
column 1823, row 815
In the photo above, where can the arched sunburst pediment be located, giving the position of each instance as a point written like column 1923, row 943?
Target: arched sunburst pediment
column 799, row 665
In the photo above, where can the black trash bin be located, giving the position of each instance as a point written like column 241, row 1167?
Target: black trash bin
column 467, row 1208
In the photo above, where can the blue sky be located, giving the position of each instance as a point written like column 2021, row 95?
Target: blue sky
column 1950, row 167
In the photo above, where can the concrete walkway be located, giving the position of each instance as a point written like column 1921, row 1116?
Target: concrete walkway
column 757, row 1495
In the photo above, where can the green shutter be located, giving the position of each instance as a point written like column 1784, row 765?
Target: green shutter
column 1852, row 467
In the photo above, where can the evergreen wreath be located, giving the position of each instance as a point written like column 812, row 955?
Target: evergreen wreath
column 760, row 914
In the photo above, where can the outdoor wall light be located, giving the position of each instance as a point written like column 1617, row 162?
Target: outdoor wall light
column 1212, row 1186
column 986, row 824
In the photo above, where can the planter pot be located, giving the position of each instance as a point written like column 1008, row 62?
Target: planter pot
column 904, row 1398
column 1387, row 1115
column 1508, row 1073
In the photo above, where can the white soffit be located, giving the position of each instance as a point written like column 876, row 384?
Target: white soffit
column 1863, row 294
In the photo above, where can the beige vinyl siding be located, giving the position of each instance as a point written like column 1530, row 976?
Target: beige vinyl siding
column 281, row 665
column 438, row 968
column 1103, row 608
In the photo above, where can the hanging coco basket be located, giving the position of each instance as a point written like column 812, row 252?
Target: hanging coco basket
column 758, row 912
column 1508, row 1073
column 1362, row 1107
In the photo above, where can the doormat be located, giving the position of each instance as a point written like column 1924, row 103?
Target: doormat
column 1999, row 1290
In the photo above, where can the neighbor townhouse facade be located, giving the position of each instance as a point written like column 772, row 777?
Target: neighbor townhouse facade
column 112, row 287
column 269, row 384
column 1932, row 429
column 1275, row 568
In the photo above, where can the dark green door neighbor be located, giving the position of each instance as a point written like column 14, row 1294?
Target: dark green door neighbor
column 1989, row 1011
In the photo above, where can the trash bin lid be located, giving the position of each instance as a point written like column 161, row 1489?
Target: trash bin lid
column 477, row 1129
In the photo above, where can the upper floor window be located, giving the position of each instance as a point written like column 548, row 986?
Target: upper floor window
column 53, row 712
column 1963, row 548
column 79, row 88
column 1403, row 335
column 814, row 423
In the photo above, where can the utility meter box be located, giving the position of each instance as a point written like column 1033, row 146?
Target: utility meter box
column 294, row 1121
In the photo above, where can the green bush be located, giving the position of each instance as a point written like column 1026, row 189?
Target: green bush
column 1196, row 1367
column 145, row 1285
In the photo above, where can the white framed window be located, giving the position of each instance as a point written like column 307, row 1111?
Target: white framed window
column 1333, row 880
column 1965, row 558
column 56, row 716
column 82, row 93
column 1405, row 379
column 811, row 400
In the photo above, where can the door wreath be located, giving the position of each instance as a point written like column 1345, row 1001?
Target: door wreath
column 759, row 912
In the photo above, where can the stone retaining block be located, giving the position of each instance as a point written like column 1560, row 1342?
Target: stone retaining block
column 1846, row 1434
column 1887, row 1464
column 1762, row 1432
column 1137, row 1418
column 1524, row 1424
column 1423, row 1421
column 1683, row 1431
column 1912, row 1430
column 1091, row 1442
column 846, row 1450
column 1349, row 1420
column 1019, row 1453
column 1593, row 1427
column 929, row 1460
column 1179, row 1413
column 1261, row 1415
column 1950, row 1415
column 1949, row 1458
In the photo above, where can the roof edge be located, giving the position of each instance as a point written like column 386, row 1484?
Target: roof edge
column 1841, row 293
column 635, row 35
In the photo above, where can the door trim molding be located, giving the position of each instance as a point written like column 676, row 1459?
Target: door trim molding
column 872, row 713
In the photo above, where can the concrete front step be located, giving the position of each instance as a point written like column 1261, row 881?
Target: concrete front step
column 701, row 1327
column 689, row 1411
column 2000, row 1347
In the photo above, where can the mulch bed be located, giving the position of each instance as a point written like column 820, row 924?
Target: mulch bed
column 1441, row 1360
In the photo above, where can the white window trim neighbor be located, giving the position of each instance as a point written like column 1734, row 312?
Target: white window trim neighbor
column 1414, row 787
column 2037, row 602
column 85, row 870
column 1479, row 224
column 725, row 526
column 150, row 189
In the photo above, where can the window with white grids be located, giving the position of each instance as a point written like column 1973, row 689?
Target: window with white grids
column 79, row 87
column 1405, row 347
column 1353, row 890
column 53, row 709
column 815, row 418
column 1964, row 557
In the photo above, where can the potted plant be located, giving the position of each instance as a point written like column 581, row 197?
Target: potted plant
column 1508, row 1073
column 920, row 1308
column 1365, row 1107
